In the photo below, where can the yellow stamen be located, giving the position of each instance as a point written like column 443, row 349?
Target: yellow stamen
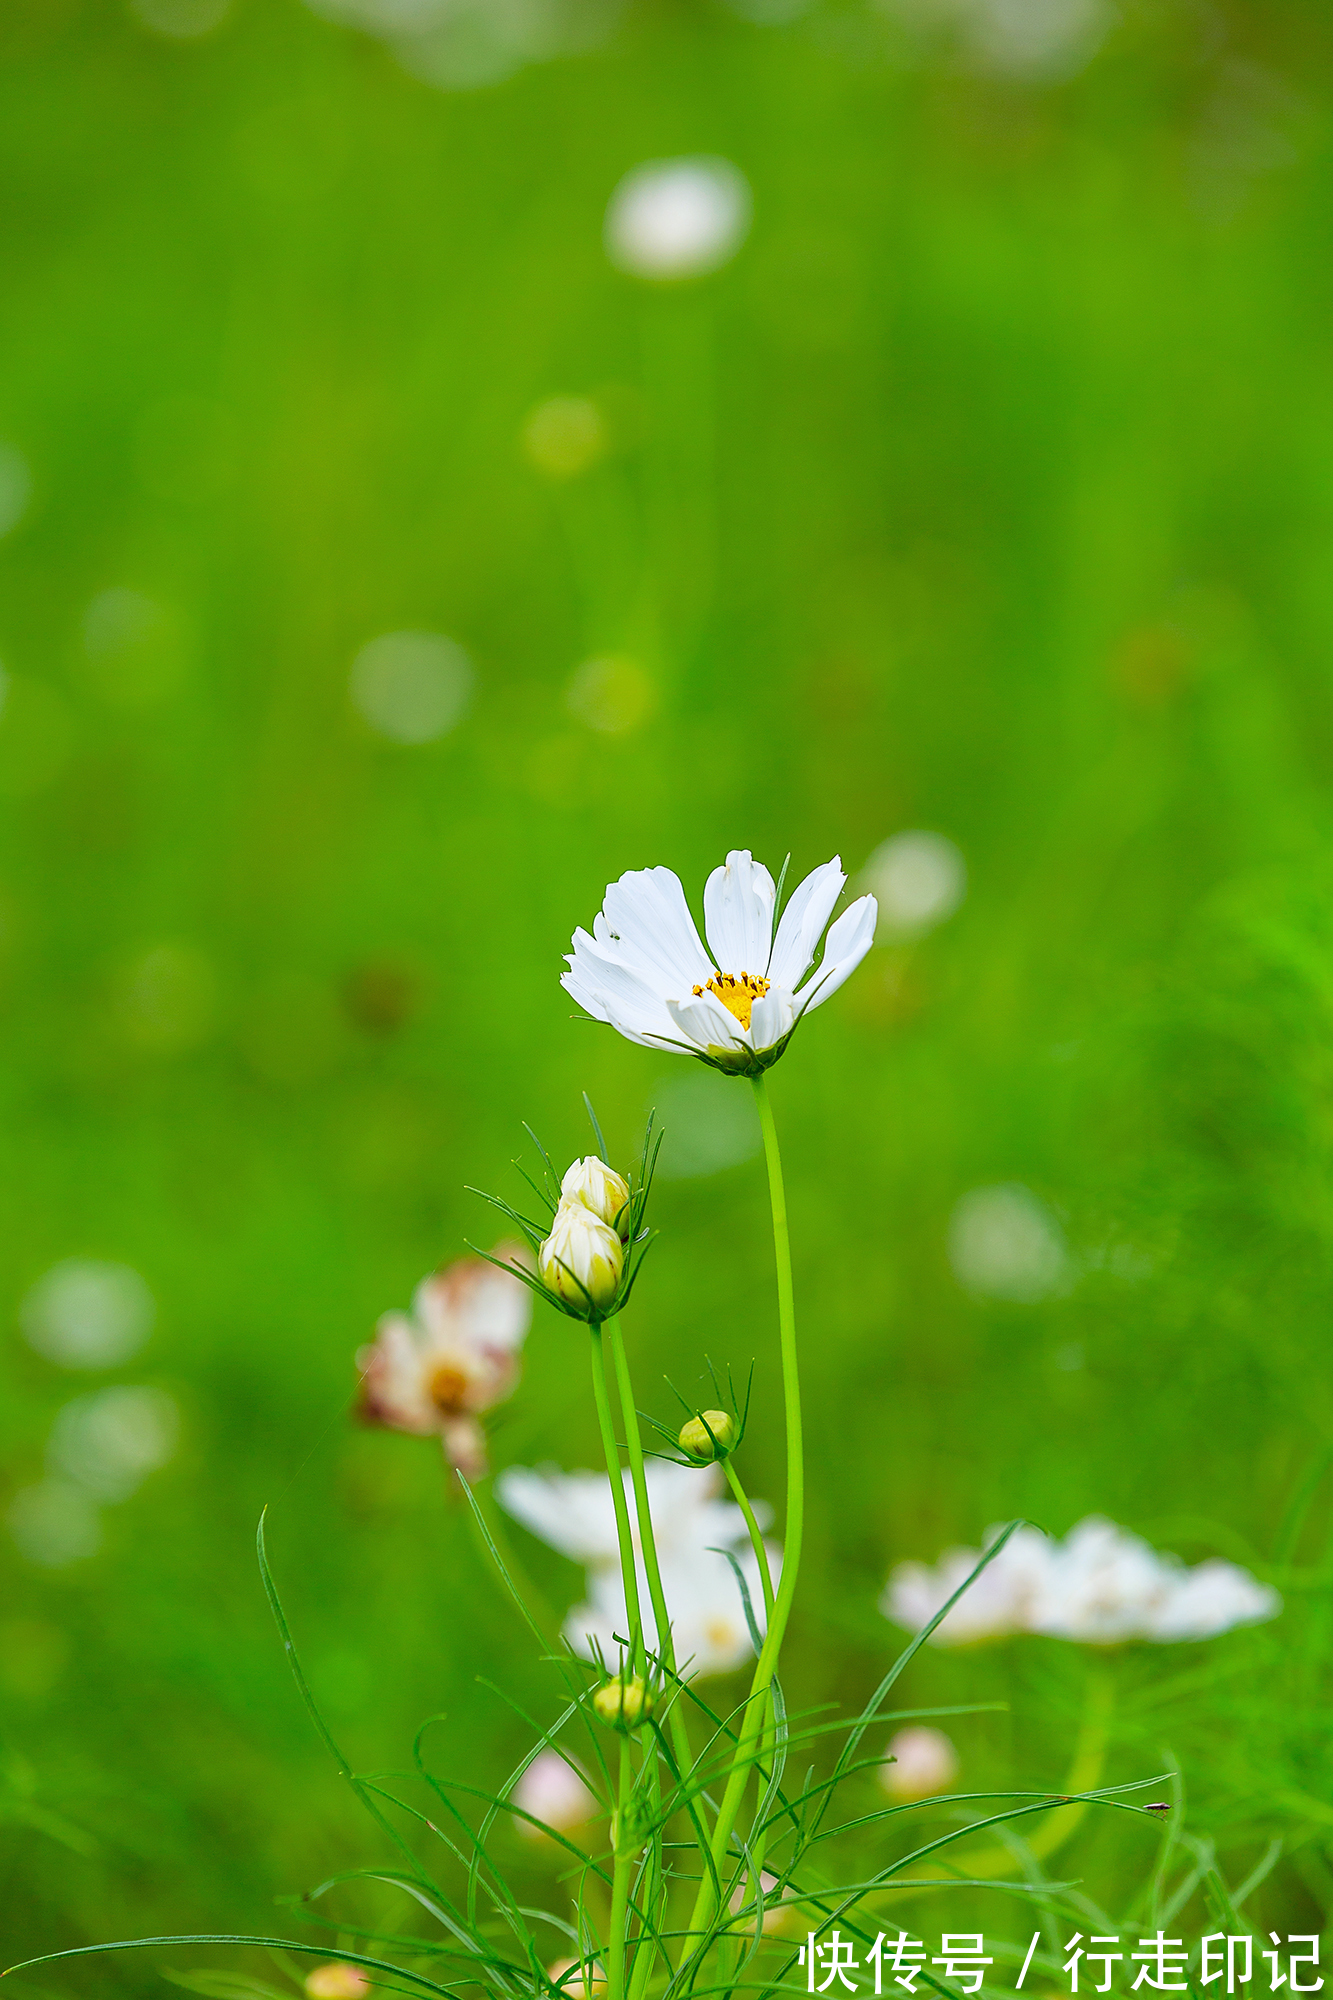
column 448, row 1386
column 737, row 992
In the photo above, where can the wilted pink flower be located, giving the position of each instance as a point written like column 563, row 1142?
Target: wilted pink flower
column 432, row 1372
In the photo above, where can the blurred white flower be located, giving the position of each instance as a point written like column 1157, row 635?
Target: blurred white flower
column 645, row 971
column 54, row 1524
column 553, row 1792
column 412, row 686
column 1004, row 1243
column 468, row 44
column 433, row 1372
column 110, row 1442
column 1101, row 1586
column 575, row 1513
column 85, row 1314
column 924, row 1764
column 918, row 879
column 15, row 487
column 672, row 219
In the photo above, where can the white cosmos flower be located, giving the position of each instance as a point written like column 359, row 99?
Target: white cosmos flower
column 575, row 1513
column 1100, row 1586
column 645, row 969
column 433, row 1371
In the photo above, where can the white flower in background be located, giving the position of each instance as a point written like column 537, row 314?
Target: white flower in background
column 574, row 1512
column 434, row 1372
column 918, row 879
column 645, row 971
column 412, row 686
column 111, row 1441
column 553, row 1792
column 582, row 1260
column 1004, row 1243
column 671, row 219
column 602, row 1191
column 84, row 1314
column 468, row 44
column 1101, row 1586
column 775, row 1915
column 924, row 1763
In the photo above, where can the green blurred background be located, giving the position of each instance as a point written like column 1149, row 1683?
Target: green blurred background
column 988, row 491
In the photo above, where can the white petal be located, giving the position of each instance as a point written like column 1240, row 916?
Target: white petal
column 848, row 942
column 738, row 914
column 706, row 1023
column 616, row 991
column 572, row 1511
column 646, row 922
column 772, row 1016
column 808, row 910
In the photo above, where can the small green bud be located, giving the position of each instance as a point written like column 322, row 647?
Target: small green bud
column 624, row 1704
column 695, row 1438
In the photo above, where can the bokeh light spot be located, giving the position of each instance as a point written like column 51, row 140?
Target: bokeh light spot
column 180, row 20
column 54, row 1524
column 412, row 686
column 565, row 436
column 611, row 694
column 109, row 1442
column 708, row 1125
column 1004, row 1243
column 919, row 879
column 86, row 1314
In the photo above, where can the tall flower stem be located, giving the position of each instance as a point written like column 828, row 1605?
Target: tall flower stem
column 629, row 1417
column 741, row 1498
column 749, row 1746
column 620, row 1884
column 624, row 1533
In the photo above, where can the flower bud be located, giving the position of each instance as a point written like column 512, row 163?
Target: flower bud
column 695, row 1438
column 624, row 1704
column 602, row 1190
column 581, row 1260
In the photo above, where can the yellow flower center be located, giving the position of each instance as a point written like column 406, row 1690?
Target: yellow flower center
column 447, row 1389
column 737, row 992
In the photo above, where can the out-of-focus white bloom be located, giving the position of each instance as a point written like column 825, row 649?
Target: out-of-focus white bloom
column 645, row 971
column 553, row 1792
column 84, row 1314
column 575, row 1513
column 1101, row 1586
column 434, row 1371
column 1004, row 1243
column 603, row 1192
column 55, row 1523
column 918, row 879
column 411, row 686
column 468, row 44
column 924, row 1764
column 671, row 219
column 582, row 1259
column 111, row 1441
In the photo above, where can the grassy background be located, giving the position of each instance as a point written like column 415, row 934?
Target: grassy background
column 989, row 490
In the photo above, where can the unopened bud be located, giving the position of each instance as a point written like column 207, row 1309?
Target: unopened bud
column 710, row 1436
column 601, row 1190
column 581, row 1260
column 624, row 1704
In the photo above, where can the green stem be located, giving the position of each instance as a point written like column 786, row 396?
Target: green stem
column 620, row 1885
column 628, row 1567
column 749, row 1747
column 629, row 1416
column 756, row 1539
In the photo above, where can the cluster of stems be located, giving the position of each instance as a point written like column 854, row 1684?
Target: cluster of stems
column 631, row 1952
